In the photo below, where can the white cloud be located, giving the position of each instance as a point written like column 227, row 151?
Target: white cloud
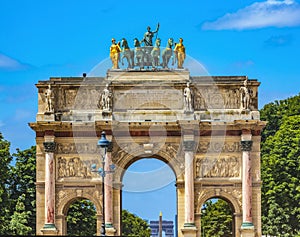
column 270, row 13
column 9, row 63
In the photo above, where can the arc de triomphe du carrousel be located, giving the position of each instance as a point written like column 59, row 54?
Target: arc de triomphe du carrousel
column 205, row 128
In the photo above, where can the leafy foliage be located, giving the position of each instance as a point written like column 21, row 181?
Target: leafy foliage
column 22, row 184
column 280, row 154
column 5, row 159
column 81, row 218
column 132, row 225
column 216, row 219
column 19, row 221
column 276, row 112
column 281, row 176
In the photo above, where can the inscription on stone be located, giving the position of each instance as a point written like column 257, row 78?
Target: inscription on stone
column 148, row 99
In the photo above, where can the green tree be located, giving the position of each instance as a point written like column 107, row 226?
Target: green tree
column 132, row 225
column 19, row 221
column 281, row 179
column 276, row 112
column 5, row 159
column 22, row 184
column 81, row 218
column 216, row 219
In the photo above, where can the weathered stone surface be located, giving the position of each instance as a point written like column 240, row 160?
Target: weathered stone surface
column 146, row 116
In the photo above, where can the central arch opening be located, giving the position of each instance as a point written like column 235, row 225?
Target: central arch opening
column 149, row 190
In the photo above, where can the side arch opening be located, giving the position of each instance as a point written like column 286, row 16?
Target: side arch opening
column 218, row 218
column 81, row 217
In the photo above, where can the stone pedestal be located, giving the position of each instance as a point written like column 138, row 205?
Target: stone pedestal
column 247, row 231
column 49, row 230
column 189, row 231
column 110, row 230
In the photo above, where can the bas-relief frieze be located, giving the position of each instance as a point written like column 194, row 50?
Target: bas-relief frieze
column 222, row 98
column 65, row 99
column 74, row 98
column 225, row 147
column 74, row 167
column 87, row 99
column 222, row 167
column 74, row 148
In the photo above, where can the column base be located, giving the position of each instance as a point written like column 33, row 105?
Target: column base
column 247, row 229
column 189, row 230
column 110, row 229
column 247, row 225
column 49, row 229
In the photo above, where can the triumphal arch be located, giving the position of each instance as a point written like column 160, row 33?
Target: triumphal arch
column 206, row 128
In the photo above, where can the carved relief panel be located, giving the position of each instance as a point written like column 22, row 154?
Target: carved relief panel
column 221, row 167
column 61, row 100
column 217, row 159
column 74, row 168
column 222, row 98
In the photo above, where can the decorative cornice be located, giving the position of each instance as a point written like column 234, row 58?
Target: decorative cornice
column 246, row 145
column 49, row 146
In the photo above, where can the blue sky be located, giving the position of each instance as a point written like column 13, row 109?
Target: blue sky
column 41, row 39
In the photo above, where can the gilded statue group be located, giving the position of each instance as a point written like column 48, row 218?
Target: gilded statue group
column 147, row 55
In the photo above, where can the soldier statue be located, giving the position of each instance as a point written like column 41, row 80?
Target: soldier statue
column 187, row 93
column 245, row 96
column 147, row 40
column 49, row 96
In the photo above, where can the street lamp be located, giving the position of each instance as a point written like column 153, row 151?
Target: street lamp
column 103, row 143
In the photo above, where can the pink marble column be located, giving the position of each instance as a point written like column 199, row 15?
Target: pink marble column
column 246, row 146
column 189, row 183
column 108, row 189
column 49, row 148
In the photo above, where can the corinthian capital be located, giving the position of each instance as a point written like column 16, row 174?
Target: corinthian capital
column 49, row 146
column 188, row 145
column 246, row 145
